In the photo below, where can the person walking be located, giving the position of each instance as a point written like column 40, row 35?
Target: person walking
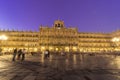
column 14, row 54
column 23, row 54
column 48, row 55
column 19, row 54
column 45, row 54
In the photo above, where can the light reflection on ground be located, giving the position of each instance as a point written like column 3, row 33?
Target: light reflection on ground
column 80, row 61
column 57, row 67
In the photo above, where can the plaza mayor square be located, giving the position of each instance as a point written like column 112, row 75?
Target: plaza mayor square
column 59, row 40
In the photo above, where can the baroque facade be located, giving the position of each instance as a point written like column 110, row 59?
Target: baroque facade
column 60, row 38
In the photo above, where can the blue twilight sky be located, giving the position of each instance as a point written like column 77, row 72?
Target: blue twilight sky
column 87, row 15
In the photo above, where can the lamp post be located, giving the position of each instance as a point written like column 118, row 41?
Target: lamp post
column 115, row 41
column 2, row 38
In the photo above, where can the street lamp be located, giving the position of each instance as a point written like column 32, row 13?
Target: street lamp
column 2, row 38
column 115, row 40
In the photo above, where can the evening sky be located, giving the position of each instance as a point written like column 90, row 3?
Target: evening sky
column 86, row 15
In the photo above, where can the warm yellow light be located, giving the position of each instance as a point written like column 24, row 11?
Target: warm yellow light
column 35, row 49
column 66, row 48
column 51, row 48
column 56, row 49
column 3, row 37
column 43, row 47
column 116, row 39
column 74, row 48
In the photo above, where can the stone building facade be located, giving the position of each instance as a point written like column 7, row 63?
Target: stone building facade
column 60, row 38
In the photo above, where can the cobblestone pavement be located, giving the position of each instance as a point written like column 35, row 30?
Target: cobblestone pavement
column 57, row 67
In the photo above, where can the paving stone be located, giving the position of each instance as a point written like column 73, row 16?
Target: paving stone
column 60, row 68
column 41, row 78
column 105, row 77
column 29, row 77
column 73, row 77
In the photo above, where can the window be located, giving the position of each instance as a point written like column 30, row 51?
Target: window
column 58, row 25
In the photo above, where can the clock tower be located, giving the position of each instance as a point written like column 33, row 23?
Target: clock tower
column 58, row 24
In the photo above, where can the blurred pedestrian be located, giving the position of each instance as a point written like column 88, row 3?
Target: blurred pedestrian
column 45, row 53
column 19, row 54
column 23, row 54
column 14, row 54
column 48, row 55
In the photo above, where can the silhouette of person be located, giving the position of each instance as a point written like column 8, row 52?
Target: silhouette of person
column 14, row 54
